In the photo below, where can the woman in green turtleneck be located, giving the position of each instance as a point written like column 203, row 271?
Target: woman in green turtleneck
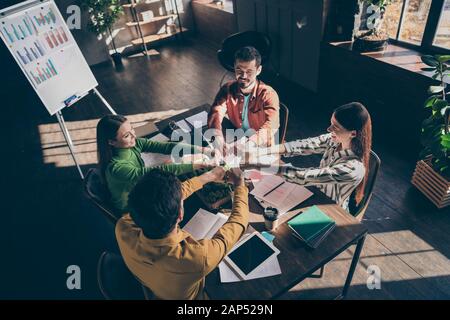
column 119, row 154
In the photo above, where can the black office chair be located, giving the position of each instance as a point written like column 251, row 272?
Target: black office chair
column 230, row 45
column 116, row 282
column 97, row 192
column 359, row 210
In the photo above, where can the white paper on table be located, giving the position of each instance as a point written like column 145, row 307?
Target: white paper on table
column 270, row 267
column 198, row 120
column 297, row 196
column 277, row 196
column 266, row 184
column 160, row 138
column 204, row 224
column 183, row 126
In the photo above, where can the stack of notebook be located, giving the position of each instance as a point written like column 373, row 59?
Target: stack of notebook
column 312, row 226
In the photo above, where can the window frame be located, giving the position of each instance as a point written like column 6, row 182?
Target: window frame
column 429, row 33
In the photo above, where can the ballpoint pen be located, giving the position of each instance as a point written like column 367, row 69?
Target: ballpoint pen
column 274, row 188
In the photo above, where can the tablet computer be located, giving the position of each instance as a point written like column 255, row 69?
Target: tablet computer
column 250, row 254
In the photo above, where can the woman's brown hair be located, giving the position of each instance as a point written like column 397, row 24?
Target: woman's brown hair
column 354, row 116
column 107, row 129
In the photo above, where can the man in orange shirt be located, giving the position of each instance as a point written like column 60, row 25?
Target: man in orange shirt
column 249, row 103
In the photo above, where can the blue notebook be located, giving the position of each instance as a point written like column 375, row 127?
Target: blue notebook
column 310, row 224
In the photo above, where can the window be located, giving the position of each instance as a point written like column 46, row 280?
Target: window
column 442, row 36
column 420, row 23
column 392, row 17
column 415, row 17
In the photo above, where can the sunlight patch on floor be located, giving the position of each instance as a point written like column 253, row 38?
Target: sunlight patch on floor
column 397, row 266
column 83, row 133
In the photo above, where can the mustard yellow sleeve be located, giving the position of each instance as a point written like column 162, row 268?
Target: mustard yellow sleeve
column 190, row 186
column 222, row 242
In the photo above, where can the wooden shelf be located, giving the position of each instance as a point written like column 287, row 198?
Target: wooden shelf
column 156, row 37
column 132, row 5
column 160, row 18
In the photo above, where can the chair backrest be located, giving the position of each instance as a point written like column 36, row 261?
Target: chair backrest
column 230, row 45
column 97, row 192
column 359, row 210
column 284, row 117
column 115, row 280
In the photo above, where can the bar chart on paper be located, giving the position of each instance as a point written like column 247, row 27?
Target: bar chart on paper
column 32, row 53
column 38, row 38
column 44, row 72
column 34, row 34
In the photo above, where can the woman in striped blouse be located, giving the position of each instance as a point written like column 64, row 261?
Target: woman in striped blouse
column 346, row 152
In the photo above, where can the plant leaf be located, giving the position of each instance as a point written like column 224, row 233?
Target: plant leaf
column 443, row 58
column 446, row 137
column 435, row 76
column 427, row 122
column 429, row 60
column 430, row 101
column 435, row 89
column 443, row 110
column 428, row 69
column 439, row 104
column 445, row 144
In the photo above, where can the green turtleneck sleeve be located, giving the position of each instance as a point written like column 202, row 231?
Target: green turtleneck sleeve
column 127, row 166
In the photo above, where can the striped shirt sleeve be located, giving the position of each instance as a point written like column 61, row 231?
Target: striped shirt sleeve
column 316, row 145
column 343, row 172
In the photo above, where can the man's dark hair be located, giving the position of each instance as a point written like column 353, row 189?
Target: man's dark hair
column 155, row 203
column 248, row 54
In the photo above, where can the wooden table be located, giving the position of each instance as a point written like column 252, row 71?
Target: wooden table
column 297, row 261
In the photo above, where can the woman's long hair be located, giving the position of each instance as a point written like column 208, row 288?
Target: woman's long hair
column 107, row 129
column 354, row 116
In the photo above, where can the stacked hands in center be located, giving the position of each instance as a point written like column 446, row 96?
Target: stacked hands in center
column 238, row 154
column 234, row 176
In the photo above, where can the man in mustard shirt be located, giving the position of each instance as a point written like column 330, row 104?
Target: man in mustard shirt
column 163, row 257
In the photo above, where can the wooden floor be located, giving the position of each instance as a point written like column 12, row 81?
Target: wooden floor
column 49, row 225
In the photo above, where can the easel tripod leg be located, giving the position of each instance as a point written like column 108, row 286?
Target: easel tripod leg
column 104, row 101
column 66, row 134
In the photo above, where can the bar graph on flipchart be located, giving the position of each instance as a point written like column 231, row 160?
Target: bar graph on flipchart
column 41, row 43
column 34, row 35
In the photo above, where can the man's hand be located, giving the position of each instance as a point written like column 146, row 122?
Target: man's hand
column 235, row 176
column 215, row 175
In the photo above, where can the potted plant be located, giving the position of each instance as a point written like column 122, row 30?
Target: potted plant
column 103, row 15
column 432, row 173
column 372, row 31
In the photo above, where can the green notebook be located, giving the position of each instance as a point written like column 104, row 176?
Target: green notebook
column 310, row 223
